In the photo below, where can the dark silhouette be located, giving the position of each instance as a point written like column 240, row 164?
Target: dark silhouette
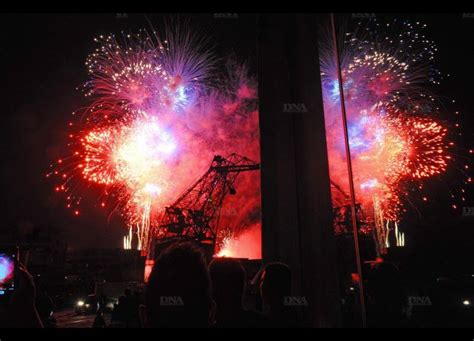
column 275, row 289
column 120, row 313
column 45, row 307
column 20, row 311
column 134, row 305
column 102, row 301
column 385, row 297
column 228, row 286
column 99, row 320
column 178, row 293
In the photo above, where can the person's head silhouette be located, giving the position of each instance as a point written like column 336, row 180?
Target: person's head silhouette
column 275, row 284
column 178, row 293
column 228, row 283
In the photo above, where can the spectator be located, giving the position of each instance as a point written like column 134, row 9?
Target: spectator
column 132, row 304
column 385, row 297
column 119, row 314
column 21, row 311
column 45, row 308
column 99, row 320
column 228, row 285
column 178, row 293
column 275, row 288
column 102, row 302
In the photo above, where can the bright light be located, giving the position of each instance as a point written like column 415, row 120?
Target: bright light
column 150, row 123
column 6, row 269
column 149, row 263
column 372, row 183
column 80, row 303
column 152, row 189
column 466, row 302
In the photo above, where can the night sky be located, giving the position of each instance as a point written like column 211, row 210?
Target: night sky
column 43, row 61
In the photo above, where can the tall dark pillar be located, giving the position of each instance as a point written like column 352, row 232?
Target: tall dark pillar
column 296, row 201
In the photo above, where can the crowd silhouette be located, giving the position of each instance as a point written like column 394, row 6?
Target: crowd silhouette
column 184, row 291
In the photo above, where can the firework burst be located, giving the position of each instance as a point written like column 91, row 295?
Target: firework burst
column 153, row 123
column 396, row 136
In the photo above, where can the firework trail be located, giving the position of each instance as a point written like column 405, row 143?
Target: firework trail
column 396, row 137
column 160, row 109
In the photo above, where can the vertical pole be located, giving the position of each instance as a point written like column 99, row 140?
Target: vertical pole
column 296, row 198
column 349, row 171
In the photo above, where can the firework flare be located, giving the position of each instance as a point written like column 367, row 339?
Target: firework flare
column 159, row 110
column 396, row 135
column 6, row 270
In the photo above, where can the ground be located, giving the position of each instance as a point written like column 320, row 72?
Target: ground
column 69, row 319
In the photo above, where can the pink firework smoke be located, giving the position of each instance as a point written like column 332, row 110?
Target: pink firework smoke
column 396, row 136
column 160, row 109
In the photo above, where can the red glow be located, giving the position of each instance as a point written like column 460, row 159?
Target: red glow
column 152, row 126
column 149, row 263
column 245, row 245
